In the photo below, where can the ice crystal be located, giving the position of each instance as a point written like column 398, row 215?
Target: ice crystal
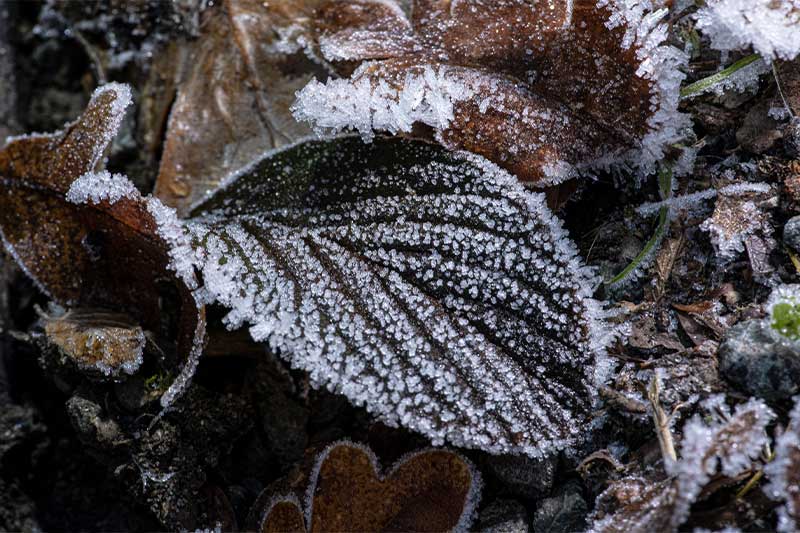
column 545, row 91
column 771, row 27
column 100, row 186
column 784, row 473
column 431, row 288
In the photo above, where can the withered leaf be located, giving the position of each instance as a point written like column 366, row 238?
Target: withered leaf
column 435, row 490
column 729, row 444
column 116, row 250
column 548, row 90
column 233, row 102
column 97, row 340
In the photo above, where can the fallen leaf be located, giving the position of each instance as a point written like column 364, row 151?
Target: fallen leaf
column 233, row 102
column 548, row 91
column 117, row 250
column 98, row 340
column 435, row 490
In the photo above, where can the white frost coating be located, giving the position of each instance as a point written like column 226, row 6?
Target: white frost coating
column 689, row 201
column 730, row 444
column 111, row 126
column 184, row 378
column 404, row 283
column 661, row 63
column 181, row 254
column 96, row 187
column 783, row 473
column 367, row 107
column 171, row 229
column 772, row 27
column 471, row 500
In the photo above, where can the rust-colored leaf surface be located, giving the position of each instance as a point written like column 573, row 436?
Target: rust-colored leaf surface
column 548, row 89
column 110, row 253
column 435, row 490
column 233, row 101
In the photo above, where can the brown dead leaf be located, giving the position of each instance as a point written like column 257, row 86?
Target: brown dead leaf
column 435, row 490
column 546, row 90
column 233, row 102
column 99, row 341
column 109, row 253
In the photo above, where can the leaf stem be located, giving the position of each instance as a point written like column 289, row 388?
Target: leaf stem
column 661, row 421
column 701, row 85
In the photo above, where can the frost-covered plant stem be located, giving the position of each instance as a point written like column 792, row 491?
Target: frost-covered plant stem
column 706, row 83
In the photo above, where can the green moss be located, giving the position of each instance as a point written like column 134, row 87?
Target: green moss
column 786, row 320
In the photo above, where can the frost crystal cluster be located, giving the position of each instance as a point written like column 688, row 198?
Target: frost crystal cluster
column 729, row 443
column 429, row 287
column 100, row 186
column 544, row 89
column 771, row 27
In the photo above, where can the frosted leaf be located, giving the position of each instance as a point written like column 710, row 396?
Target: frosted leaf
column 88, row 239
column 739, row 216
column 771, row 27
column 729, row 444
column 546, row 91
column 233, row 100
column 431, row 288
column 783, row 473
column 101, row 186
column 430, row 490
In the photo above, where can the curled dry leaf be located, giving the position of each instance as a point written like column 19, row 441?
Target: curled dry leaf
column 434, row 490
column 98, row 340
column 729, row 443
column 116, row 250
column 233, row 101
column 548, row 89
column 430, row 287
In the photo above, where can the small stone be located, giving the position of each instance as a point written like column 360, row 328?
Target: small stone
column 564, row 512
column 791, row 233
column 503, row 516
column 757, row 361
column 523, row 476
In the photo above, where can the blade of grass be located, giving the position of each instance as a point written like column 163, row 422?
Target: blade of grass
column 665, row 188
column 701, row 85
